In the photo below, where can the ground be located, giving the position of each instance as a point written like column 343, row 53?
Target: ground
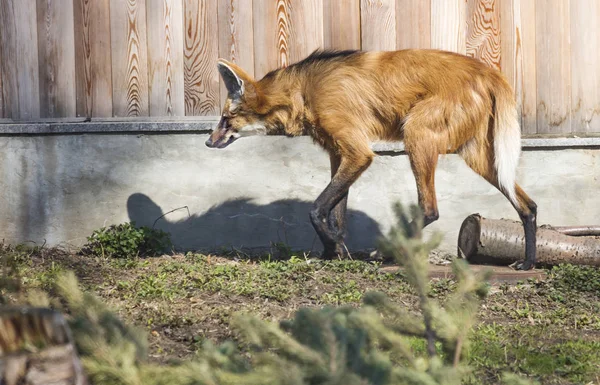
column 547, row 328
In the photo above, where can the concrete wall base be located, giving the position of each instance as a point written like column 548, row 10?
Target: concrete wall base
column 59, row 188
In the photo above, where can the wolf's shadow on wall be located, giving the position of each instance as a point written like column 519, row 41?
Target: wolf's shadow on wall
column 248, row 227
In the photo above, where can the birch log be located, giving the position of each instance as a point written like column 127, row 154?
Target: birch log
column 502, row 242
column 36, row 348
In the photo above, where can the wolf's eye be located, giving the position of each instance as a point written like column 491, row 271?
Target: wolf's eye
column 234, row 108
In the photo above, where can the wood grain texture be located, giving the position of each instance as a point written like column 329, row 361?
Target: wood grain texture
column 341, row 24
column 20, row 72
column 527, row 38
column 264, row 18
column 236, row 37
column 585, row 65
column 448, row 25
column 306, row 28
column 518, row 59
column 56, row 51
column 201, row 51
column 129, row 57
column 378, row 25
column 511, row 58
column 413, row 24
column 271, row 20
column 553, row 66
column 93, row 63
column 64, row 58
column 165, row 58
column 483, row 31
column 2, row 108
column 283, row 32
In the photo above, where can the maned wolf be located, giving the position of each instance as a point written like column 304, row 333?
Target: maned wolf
column 437, row 102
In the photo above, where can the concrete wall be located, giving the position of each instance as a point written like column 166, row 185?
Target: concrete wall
column 59, row 188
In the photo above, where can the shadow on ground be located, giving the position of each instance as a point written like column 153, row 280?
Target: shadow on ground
column 248, row 227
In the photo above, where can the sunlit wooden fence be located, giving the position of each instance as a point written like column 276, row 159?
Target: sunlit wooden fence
column 117, row 58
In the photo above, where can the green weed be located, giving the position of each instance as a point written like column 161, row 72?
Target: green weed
column 127, row 241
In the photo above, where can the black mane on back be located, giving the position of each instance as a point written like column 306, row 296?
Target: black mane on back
column 317, row 56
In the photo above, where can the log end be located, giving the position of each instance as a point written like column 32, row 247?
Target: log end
column 36, row 348
column 468, row 237
column 478, row 248
column 26, row 326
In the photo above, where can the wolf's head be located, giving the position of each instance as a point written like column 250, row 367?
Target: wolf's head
column 241, row 115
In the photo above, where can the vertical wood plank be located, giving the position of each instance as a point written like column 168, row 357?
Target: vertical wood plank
column 271, row 35
column 511, row 57
column 518, row 57
column 527, row 37
column 165, row 57
column 378, row 25
column 283, row 32
column 306, row 28
column 2, row 115
column 93, row 58
column 413, row 24
column 341, row 24
column 18, row 30
column 483, row 31
column 56, row 51
column 448, row 25
column 553, row 67
column 201, row 51
column 236, row 38
column 585, row 64
column 129, row 57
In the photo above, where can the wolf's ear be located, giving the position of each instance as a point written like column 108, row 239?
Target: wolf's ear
column 233, row 82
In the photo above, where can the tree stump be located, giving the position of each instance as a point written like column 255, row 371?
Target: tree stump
column 502, row 242
column 36, row 348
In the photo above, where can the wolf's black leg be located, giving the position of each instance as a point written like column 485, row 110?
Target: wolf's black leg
column 337, row 190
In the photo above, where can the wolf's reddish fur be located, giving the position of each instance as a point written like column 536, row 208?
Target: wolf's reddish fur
column 436, row 102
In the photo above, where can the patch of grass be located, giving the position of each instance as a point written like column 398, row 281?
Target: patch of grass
column 45, row 279
column 16, row 259
column 125, row 240
column 126, row 263
column 158, row 286
column 545, row 354
column 345, row 292
column 283, row 250
column 569, row 277
column 439, row 288
column 352, row 266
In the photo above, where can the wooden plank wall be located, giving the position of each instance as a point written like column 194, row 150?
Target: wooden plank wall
column 164, row 25
column 129, row 57
column 1, row 87
column 236, row 35
column 122, row 58
column 585, row 65
column 56, row 54
column 20, row 66
column 201, row 51
column 93, row 58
